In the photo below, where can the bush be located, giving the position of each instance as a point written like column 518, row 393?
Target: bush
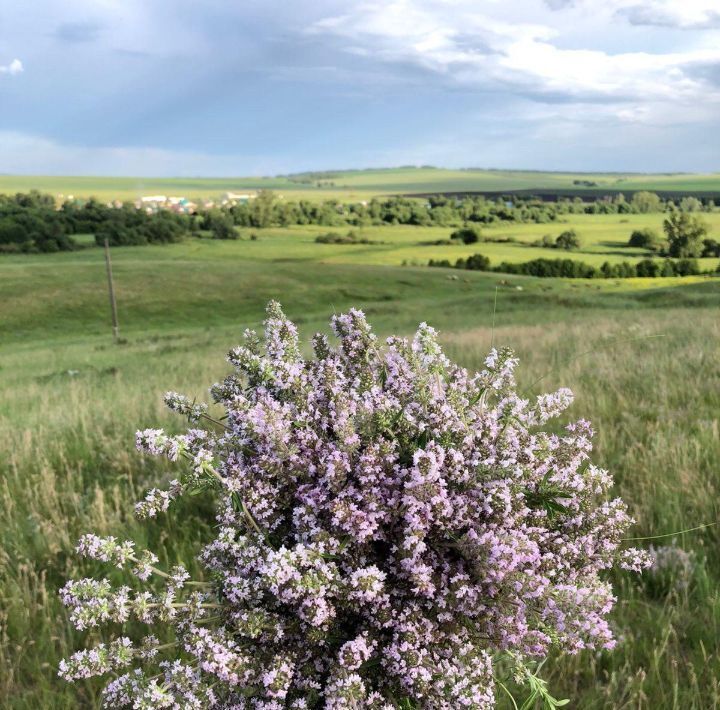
column 547, row 242
column 388, row 526
column 476, row 262
column 565, row 240
column 668, row 268
column 568, row 240
column 224, row 229
column 467, row 235
column 220, row 224
column 131, row 227
column 645, row 238
column 625, row 270
column 120, row 235
column 711, row 247
column 551, row 268
column 647, row 267
column 687, row 267
column 335, row 238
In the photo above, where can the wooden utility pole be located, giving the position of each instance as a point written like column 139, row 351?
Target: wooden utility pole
column 111, row 291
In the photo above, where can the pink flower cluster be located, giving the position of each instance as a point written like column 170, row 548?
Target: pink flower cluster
column 388, row 524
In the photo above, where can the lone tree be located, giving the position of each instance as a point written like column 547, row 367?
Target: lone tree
column 568, row 240
column 467, row 235
column 685, row 233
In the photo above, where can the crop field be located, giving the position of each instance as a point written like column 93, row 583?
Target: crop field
column 640, row 354
column 360, row 184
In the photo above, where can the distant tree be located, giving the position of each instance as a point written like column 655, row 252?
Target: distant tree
column 645, row 202
column 667, row 268
column 690, row 204
column 445, row 263
column 224, row 229
column 711, row 247
column 606, row 270
column 568, row 240
column 687, row 267
column 625, row 270
column 34, row 200
column 220, row 224
column 622, row 206
column 163, row 228
column 13, row 236
column 477, row 262
column 647, row 267
column 646, row 238
column 262, row 209
column 684, row 233
column 467, row 235
column 119, row 234
column 547, row 242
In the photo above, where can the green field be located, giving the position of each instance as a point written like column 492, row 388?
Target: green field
column 602, row 237
column 71, row 401
column 359, row 184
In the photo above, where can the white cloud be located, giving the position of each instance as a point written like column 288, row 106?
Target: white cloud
column 492, row 46
column 681, row 14
column 629, row 84
column 15, row 67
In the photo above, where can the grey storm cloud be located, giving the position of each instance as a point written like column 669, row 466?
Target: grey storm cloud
column 184, row 87
column 645, row 15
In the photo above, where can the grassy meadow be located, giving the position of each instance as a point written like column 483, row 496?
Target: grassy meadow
column 640, row 354
column 351, row 185
column 602, row 238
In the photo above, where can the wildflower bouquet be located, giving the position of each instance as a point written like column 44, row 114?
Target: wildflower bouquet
column 388, row 525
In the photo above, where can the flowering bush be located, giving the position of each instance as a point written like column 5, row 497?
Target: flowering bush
column 388, row 525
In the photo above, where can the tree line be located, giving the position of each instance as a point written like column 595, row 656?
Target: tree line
column 32, row 223
column 267, row 210
column 574, row 269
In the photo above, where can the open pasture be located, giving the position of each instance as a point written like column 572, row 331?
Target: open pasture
column 216, row 281
column 602, row 238
column 640, row 357
column 355, row 185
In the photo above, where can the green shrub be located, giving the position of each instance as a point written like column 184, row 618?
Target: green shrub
column 646, row 238
column 349, row 238
column 467, row 235
column 568, row 240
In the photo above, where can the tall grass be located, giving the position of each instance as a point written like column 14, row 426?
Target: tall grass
column 655, row 405
column 67, row 466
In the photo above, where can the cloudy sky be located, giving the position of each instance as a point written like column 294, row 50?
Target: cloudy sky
column 221, row 87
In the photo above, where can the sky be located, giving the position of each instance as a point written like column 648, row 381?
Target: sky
column 266, row 87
